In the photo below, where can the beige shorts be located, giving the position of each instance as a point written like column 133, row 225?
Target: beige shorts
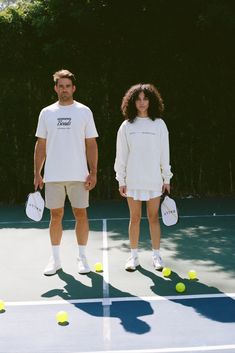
column 55, row 194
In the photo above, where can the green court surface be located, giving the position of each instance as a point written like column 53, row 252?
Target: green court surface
column 119, row 311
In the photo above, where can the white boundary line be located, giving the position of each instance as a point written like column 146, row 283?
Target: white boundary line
column 118, row 219
column 109, row 300
column 106, row 302
column 105, row 263
column 171, row 350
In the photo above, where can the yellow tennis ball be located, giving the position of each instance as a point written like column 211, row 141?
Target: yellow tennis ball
column 180, row 287
column 62, row 316
column 2, row 305
column 98, row 267
column 192, row 274
column 166, row 271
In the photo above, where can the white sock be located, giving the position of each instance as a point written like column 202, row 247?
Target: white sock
column 134, row 252
column 156, row 252
column 81, row 250
column 56, row 252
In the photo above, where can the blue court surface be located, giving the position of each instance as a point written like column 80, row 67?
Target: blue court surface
column 118, row 311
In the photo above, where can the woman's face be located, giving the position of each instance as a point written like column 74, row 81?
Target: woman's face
column 142, row 104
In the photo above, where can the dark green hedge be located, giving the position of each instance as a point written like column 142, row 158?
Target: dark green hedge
column 183, row 47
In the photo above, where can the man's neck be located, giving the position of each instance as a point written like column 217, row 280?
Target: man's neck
column 69, row 102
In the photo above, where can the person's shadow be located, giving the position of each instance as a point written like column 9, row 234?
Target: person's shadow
column 129, row 312
column 216, row 308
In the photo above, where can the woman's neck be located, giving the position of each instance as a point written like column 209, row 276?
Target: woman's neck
column 142, row 115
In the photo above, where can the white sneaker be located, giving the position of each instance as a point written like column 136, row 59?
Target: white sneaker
column 158, row 262
column 52, row 267
column 83, row 266
column 132, row 263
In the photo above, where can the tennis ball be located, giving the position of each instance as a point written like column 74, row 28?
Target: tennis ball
column 2, row 306
column 166, row 271
column 62, row 316
column 180, row 287
column 98, row 267
column 192, row 274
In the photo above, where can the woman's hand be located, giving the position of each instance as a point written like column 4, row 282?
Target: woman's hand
column 166, row 188
column 122, row 190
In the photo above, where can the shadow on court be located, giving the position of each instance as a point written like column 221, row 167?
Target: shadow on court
column 128, row 313
column 212, row 237
column 217, row 309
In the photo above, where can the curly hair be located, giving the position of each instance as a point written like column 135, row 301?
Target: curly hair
column 156, row 106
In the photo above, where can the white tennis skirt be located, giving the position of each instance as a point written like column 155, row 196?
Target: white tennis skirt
column 143, row 195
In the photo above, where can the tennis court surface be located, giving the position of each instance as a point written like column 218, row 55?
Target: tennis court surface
column 118, row 311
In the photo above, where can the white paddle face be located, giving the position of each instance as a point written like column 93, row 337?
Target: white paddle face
column 169, row 211
column 35, row 206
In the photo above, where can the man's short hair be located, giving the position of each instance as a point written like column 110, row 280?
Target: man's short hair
column 64, row 74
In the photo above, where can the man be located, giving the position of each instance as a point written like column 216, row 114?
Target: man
column 66, row 142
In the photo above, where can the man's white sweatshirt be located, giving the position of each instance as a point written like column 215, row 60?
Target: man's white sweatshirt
column 142, row 155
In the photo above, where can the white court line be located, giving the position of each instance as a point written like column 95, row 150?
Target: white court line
column 120, row 219
column 106, row 300
column 119, row 299
column 176, row 297
column 171, row 350
column 105, row 261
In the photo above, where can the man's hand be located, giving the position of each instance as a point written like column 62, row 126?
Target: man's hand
column 122, row 190
column 39, row 158
column 92, row 158
column 38, row 182
column 91, row 181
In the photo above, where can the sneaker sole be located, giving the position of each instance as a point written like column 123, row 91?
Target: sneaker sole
column 52, row 274
column 131, row 269
column 84, row 273
column 158, row 268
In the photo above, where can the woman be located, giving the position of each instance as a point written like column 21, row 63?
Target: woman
column 142, row 164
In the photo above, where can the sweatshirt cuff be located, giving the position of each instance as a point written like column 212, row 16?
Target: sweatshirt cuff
column 166, row 181
column 166, row 176
column 121, row 181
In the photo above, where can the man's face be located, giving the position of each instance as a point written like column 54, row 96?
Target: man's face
column 65, row 89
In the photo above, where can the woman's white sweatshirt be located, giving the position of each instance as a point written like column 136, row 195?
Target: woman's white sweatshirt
column 142, row 155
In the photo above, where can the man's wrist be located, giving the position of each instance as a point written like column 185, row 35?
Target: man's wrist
column 93, row 172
